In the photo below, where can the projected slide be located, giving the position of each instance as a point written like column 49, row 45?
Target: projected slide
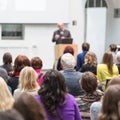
column 34, row 11
column 30, row 5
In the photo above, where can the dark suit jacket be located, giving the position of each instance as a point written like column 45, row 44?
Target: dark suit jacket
column 65, row 33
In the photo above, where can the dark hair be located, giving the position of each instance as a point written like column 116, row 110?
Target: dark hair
column 20, row 62
column 11, row 114
column 7, row 58
column 52, row 91
column 108, row 60
column 113, row 47
column 111, row 104
column 89, row 82
column 36, row 63
column 29, row 107
column 85, row 46
column 68, row 49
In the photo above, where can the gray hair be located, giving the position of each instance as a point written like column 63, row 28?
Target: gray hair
column 68, row 61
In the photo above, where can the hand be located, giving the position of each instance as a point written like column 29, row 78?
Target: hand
column 57, row 36
column 62, row 37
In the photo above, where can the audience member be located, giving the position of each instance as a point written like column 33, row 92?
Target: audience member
column 37, row 64
column 6, row 99
column 3, row 74
column 118, row 60
column 20, row 62
column 90, row 63
column 92, row 94
column 29, row 108
column 68, row 49
column 111, row 104
column 71, row 76
column 107, row 69
column 7, row 63
column 112, row 48
column 58, row 104
column 11, row 115
column 27, row 82
column 95, row 107
column 80, row 56
column 61, row 33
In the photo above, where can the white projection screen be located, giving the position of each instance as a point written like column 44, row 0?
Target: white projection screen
column 96, row 31
column 34, row 11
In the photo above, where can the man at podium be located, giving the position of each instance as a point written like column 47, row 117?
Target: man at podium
column 61, row 34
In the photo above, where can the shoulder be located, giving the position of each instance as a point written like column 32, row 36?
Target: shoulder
column 96, row 105
column 95, row 108
column 70, row 98
column 101, row 66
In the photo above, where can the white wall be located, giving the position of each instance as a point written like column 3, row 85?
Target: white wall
column 37, row 39
column 113, row 24
column 96, row 31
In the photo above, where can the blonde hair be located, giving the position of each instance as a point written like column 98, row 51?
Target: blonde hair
column 6, row 99
column 91, row 58
column 28, row 79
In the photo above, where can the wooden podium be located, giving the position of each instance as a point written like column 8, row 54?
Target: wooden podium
column 59, row 48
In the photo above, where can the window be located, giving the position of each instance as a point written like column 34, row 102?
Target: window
column 117, row 13
column 12, row 31
column 96, row 3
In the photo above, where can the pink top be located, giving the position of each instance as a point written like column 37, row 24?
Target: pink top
column 40, row 76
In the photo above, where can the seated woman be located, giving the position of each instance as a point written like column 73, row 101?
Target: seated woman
column 57, row 102
column 107, row 70
column 68, row 49
column 37, row 64
column 111, row 104
column 6, row 99
column 27, row 82
column 90, row 63
column 89, row 85
column 20, row 62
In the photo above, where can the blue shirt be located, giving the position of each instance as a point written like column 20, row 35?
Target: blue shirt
column 80, row 59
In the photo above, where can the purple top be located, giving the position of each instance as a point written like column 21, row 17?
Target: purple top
column 70, row 111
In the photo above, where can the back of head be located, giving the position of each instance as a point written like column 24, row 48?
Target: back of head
column 20, row 62
column 68, row 49
column 108, row 60
column 85, row 46
column 28, row 79
column 68, row 61
column 6, row 99
column 7, row 58
column 29, row 108
column 36, row 63
column 115, row 80
column 113, row 47
column 90, row 58
column 111, row 104
column 89, row 82
column 11, row 115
